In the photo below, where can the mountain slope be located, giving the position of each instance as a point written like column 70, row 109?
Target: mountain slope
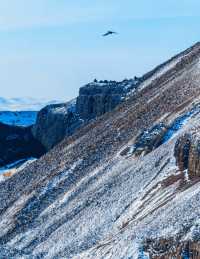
column 115, row 183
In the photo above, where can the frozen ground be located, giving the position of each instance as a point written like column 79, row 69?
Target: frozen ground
column 23, row 118
column 10, row 169
column 110, row 212
column 147, row 207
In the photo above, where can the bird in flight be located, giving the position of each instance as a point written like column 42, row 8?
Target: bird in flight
column 109, row 33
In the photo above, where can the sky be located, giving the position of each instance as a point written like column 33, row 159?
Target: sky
column 50, row 48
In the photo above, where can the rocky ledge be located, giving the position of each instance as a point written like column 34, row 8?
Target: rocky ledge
column 97, row 98
column 55, row 122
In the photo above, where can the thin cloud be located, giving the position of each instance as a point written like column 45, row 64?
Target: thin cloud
column 32, row 14
column 23, row 14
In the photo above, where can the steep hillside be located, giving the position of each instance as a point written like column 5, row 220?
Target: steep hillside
column 124, row 186
column 10, row 169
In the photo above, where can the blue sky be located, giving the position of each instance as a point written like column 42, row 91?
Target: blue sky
column 49, row 48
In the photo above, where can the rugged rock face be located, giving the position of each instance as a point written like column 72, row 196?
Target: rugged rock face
column 84, row 200
column 187, row 153
column 54, row 122
column 169, row 249
column 17, row 143
column 97, row 98
column 194, row 157
column 182, row 151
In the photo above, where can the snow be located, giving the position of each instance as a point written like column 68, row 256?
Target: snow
column 5, row 220
column 114, row 208
column 23, row 118
column 161, row 71
column 161, row 212
column 10, row 169
column 127, row 86
column 186, row 175
column 111, row 210
column 65, row 107
column 178, row 124
column 58, row 179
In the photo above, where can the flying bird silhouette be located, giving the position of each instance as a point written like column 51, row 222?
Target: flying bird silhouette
column 109, row 33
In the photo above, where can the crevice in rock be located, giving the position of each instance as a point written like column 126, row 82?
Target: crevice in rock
column 187, row 154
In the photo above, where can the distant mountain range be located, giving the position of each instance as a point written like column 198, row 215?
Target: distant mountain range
column 24, row 104
column 19, row 118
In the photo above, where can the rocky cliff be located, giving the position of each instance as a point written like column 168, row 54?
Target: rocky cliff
column 86, row 198
column 54, row 122
column 17, row 143
column 187, row 153
column 97, row 98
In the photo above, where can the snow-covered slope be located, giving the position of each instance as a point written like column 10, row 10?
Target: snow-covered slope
column 10, row 169
column 149, row 199
column 114, row 188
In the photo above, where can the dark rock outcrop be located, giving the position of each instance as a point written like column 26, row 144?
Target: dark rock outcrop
column 187, row 153
column 150, row 140
column 194, row 157
column 147, row 141
column 182, row 151
column 17, row 143
column 95, row 99
column 169, row 249
column 54, row 122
